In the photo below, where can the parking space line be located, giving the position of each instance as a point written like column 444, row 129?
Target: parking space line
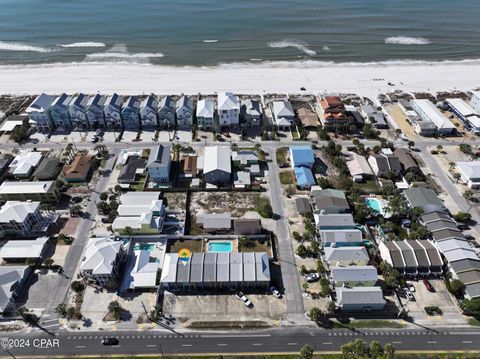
column 292, row 343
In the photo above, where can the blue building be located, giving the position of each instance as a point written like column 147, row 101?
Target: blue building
column 304, row 176
column 302, row 156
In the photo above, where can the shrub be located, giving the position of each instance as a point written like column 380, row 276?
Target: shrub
column 432, row 310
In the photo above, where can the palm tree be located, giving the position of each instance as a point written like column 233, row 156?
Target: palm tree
column 451, row 166
column 116, row 309
column 128, row 231
column 468, row 194
column 439, row 148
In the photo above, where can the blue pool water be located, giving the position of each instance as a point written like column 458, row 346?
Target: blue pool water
column 220, row 247
column 374, row 204
column 144, row 246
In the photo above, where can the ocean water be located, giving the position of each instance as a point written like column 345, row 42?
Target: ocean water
column 219, row 32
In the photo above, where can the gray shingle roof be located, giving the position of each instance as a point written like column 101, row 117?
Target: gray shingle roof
column 159, row 156
column 465, row 265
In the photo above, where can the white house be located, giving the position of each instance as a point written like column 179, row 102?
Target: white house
column 38, row 113
column 283, row 115
column 159, row 163
column 148, row 112
column 166, row 112
column 205, row 114
column 429, row 112
column 228, row 109
column 59, row 112
column 469, row 116
column 469, row 173
column 94, row 111
column 184, row 112
column 131, row 113
column 113, row 111
column 24, row 163
column 78, row 112
column 475, row 101
column 19, row 218
column 217, row 167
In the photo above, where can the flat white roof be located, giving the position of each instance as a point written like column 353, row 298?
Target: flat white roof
column 8, row 187
column 24, row 161
column 469, row 169
column 8, row 126
column 23, row 248
column 217, row 158
column 461, row 106
column 432, row 113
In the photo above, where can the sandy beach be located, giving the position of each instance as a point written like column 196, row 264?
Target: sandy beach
column 263, row 78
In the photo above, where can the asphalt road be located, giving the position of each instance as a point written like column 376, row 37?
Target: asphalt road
column 76, row 249
column 281, row 340
column 295, row 309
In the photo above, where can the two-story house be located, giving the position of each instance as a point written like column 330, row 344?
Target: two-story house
column 19, row 218
column 131, row 113
column 94, row 111
column 38, row 113
column 112, row 110
column 159, row 163
column 205, row 114
column 228, row 109
column 166, row 112
column 78, row 112
column 148, row 112
column 251, row 113
column 59, row 113
column 184, row 112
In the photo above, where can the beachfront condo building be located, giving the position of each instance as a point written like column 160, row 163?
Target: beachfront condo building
column 228, row 109
column 205, row 114
column 112, row 111
column 184, row 112
column 59, row 113
column 78, row 112
column 148, row 112
column 94, row 111
column 166, row 112
column 131, row 113
column 38, row 113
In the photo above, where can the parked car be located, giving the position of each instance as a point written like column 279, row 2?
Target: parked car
column 408, row 294
column 428, row 285
column 411, row 287
column 275, row 292
column 311, row 277
column 110, row 341
column 244, row 299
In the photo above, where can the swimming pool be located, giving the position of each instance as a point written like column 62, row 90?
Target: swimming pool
column 220, row 247
column 374, row 204
column 145, row 246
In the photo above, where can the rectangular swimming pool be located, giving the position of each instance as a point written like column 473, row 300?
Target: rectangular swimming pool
column 220, row 247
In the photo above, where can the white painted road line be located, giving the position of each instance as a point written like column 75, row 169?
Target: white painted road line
column 292, row 343
column 432, row 342
column 186, row 345
column 327, row 343
column 79, row 346
column 151, row 345
column 396, row 342
column 236, row 336
column 257, row 344
column 467, row 342
column 222, row 345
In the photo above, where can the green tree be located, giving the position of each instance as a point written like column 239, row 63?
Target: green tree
column 75, row 210
column 302, row 251
column 77, row 286
column 439, row 148
column 468, row 194
column 103, row 196
column 456, row 287
column 462, row 217
column 128, row 231
column 48, row 262
column 331, row 306
column 61, row 310
column 411, row 144
column 305, row 286
column 321, row 267
column 116, row 309
column 355, row 350
column 316, row 315
column 306, row 352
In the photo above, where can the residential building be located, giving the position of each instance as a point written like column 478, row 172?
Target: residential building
column 446, row 233
column 43, row 191
column 251, row 113
column 301, row 156
column 102, row 260
column 79, row 170
column 141, row 212
column 424, row 198
column 20, row 250
column 39, row 113
column 333, row 111
column 385, row 164
column 359, row 168
column 159, row 164
column 20, row 218
column 460, row 254
column 354, row 276
column 241, row 179
column 188, row 166
column 48, row 169
column 5, row 161
column 142, row 272
column 328, row 201
column 244, row 158
column 429, row 112
column 359, row 299
column 424, row 128
column 78, row 112
column 346, row 256
column 216, row 270
column 24, row 163
column 134, row 167
column 283, row 115
column 113, row 112
column 245, row 226
column 373, row 116
column 59, row 113
column 304, row 177
column 469, row 116
column 184, row 111
column 228, row 110
column 469, row 173
column 205, row 114
column 217, row 167
column 303, row 205
column 166, row 112
column 334, row 221
column 475, row 101
column 94, row 111
column 126, row 153
column 340, row 237
column 308, row 118
column 12, row 282
column 148, row 112
column 215, row 222
column 131, row 113
column 406, row 161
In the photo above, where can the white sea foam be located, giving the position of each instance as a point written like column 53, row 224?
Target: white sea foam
column 326, row 48
column 18, row 46
column 300, row 45
column 119, row 54
column 406, row 40
column 84, row 44
column 210, row 41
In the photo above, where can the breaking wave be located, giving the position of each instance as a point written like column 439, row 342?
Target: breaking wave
column 85, row 44
column 405, row 40
column 300, row 45
column 120, row 54
column 18, row 46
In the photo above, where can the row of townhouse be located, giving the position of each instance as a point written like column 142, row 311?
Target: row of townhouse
column 65, row 112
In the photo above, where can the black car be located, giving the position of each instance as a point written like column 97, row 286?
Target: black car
column 110, row 341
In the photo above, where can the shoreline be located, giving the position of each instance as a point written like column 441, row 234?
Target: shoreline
column 282, row 77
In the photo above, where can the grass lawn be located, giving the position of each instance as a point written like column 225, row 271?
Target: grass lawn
column 192, row 245
column 474, row 321
column 286, row 177
column 367, row 187
column 373, row 323
column 281, row 154
column 259, row 247
column 295, row 134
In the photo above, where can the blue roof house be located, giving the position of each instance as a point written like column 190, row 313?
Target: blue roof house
column 302, row 156
column 304, row 176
